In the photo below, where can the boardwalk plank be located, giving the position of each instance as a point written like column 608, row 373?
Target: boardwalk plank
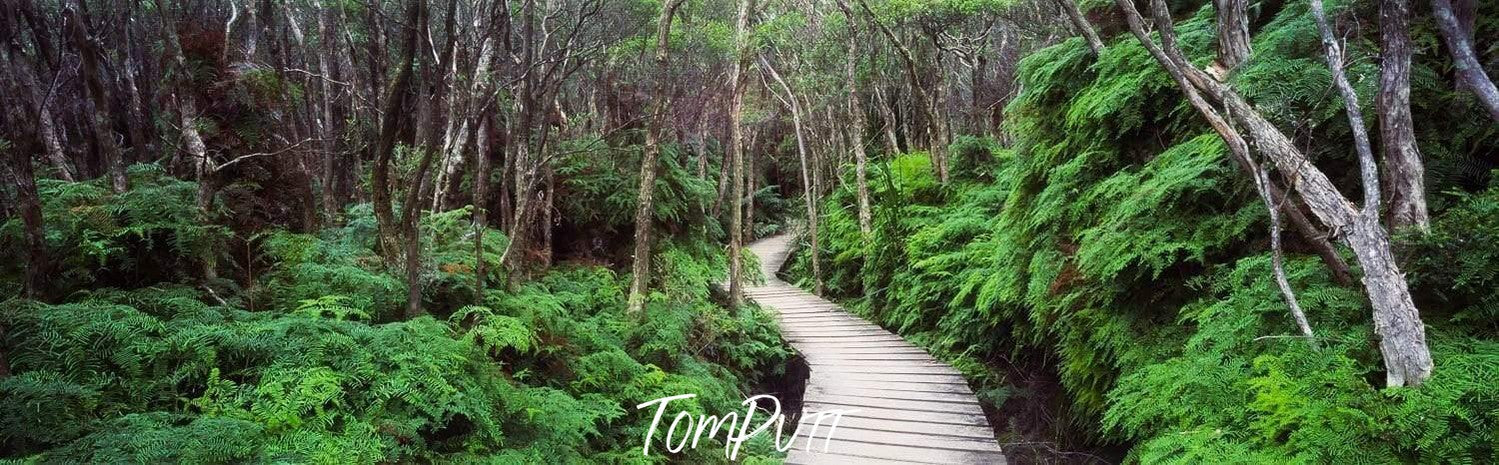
column 910, row 408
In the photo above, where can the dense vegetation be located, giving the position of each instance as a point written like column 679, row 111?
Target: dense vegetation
column 1106, row 277
column 311, row 361
column 399, row 231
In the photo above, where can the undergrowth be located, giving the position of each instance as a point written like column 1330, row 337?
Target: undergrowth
column 1105, row 283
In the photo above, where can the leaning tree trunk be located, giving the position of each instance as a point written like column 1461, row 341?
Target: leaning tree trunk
column 1404, row 173
column 1080, row 22
column 1460, row 46
column 1396, row 320
column 809, row 189
column 641, row 268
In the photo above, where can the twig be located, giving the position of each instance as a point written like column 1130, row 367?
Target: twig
column 260, row 154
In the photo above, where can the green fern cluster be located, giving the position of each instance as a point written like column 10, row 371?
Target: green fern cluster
column 1116, row 247
column 149, row 233
column 322, row 371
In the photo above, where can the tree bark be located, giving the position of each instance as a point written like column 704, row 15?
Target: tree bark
column 416, row 188
column 641, row 268
column 1233, row 33
column 99, row 120
column 856, row 125
column 1404, row 172
column 1396, row 320
column 482, row 163
column 809, row 189
column 1082, row 25
column 1460, row 46
column 391, row 120
column 29, row 207
column 738, row 74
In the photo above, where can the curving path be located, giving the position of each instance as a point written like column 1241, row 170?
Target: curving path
column 910, row 407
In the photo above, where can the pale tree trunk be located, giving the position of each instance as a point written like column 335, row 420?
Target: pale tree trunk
column 187, row 114
column 856, row 132
column 1080, row 23
column 1460, row 45
column 1396, row 320
column 1404, row 173
column 1233, row 33
column 749, row 178
column 660, row 96
column 809, row 190
column 738, row 74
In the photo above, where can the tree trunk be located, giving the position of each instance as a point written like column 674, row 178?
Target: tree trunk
column 1404, row 173
column 327, row 123
column 1460, row 45
column 483, row 161
column 738, row 74
column 1080, row 23
column 99, row 120
column 641, row 268
column 416, row 187
column 392, row 119
column 856, row 129
column 887, row 113
column 809, row 189
column 1403, row 337
column 29, row 208
column 925, row 100
column 1233, row 33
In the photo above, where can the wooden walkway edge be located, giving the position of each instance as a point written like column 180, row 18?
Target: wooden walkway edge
column 910, row 408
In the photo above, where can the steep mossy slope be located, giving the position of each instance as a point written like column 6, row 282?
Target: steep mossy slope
column 1105, row 278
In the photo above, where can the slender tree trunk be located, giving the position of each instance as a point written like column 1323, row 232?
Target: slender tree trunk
column 926, row 101
column 892, row 143
column 1404, row 172
column 738, row 74
column 392, row 119
column 1082, row 25
column 99, row 120
column 641, row 268
column 1460, row 45
column 327, row 123
column 482, row 162
column 416, row 188
column 809, row 189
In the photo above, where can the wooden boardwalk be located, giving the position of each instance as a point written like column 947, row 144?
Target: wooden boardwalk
column 910, row 407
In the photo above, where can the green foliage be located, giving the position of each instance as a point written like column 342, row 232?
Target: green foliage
column 1113, row 253
column 151, row 232
column 319, row 372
